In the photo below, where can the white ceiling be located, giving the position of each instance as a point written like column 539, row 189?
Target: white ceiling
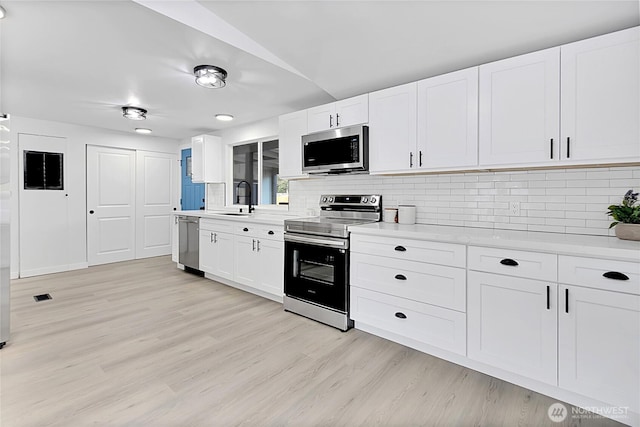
column 80, row 61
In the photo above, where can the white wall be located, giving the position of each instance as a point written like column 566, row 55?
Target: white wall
column 571, row 201
column 78, row 137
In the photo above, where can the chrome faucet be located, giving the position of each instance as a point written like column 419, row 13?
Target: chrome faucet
column 251, row 208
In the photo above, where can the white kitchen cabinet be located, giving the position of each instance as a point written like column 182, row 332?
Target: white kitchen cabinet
column 216, row 248
column 347, row 112
column 599, row 336
column 448, row 121
column 175, row 239
column 511, row 324
column 392, row 129
column 601, row 98
column 291, row 128
column 259, row 255
column 207, row 159
column 422, row 323
column 519, row 110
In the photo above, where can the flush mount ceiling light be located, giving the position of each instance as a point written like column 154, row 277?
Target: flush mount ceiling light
column 224, row 117
column 3, row 12
column 143, row 130
column 210, row 76
column 134, row 113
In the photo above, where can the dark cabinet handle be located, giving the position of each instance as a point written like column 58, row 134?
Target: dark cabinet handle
column 510, row 262
column 566, row 300
column 568, row 147
column 91, row 212
column 400, row 248
column 548, row 302
column 337, row 119
column 271, row 232
column 400, row 315
column 401, row 277
column 615, row 275
column 330, row 121
column 245, row 229
column 175, row 209
column 411, row 159
column 420, row 158
column 551, row 148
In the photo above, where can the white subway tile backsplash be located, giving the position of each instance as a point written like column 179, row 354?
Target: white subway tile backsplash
column 572, row 201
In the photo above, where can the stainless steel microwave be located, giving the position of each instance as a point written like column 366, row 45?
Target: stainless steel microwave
column 344, row 150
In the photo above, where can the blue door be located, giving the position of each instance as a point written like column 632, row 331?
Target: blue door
column 192, row 193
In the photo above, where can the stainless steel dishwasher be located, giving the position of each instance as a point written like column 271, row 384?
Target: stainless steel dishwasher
column 188, row 237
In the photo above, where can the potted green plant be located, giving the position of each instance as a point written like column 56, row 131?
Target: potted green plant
column 627, row 217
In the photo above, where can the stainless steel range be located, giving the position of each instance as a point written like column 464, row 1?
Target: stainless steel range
column 316, row 282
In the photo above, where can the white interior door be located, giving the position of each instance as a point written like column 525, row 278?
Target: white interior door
column 156, row 199
column 44, row 224
column 110, row 204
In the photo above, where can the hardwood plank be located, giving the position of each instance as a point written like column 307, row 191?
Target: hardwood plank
column 141, row 343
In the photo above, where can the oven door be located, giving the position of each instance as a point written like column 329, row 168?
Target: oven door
column 317, row 270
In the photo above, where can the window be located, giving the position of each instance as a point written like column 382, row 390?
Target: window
column 43, row 171
column 256, row 164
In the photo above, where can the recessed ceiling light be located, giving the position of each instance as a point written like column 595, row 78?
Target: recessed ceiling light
column 3, row 12
column 224, row 117
column 143, row 130
column 134, row 113
column 210, row 76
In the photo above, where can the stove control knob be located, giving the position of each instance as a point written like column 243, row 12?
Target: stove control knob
column 324, row 200
column 330, row 199
column 373, row 200
column 365, row 199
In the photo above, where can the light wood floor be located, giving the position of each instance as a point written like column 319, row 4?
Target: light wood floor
column 142, row 343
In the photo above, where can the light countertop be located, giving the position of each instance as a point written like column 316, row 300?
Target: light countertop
column 255, row 217
column 562, row 244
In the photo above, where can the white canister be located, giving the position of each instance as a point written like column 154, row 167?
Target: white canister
column 406, row 214
column 390, row 215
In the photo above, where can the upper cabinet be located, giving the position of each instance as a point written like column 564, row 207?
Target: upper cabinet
column 520, row 109
column 338, row 114
column 291, row 127
column 601, row 98
column 576, row 104
column 448, row 120
column 392, row 128
column 428, row 125
column 207, row 153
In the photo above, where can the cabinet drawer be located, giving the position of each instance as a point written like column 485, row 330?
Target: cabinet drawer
column 246, row 229
column 449, row 254
column 428, row 324
column 428, row 283
column 531, row 265
column 621, row 276
column 214, row 225
column 270, row 232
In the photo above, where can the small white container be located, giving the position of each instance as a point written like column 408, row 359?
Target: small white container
column 406, row 214
column 390, row 215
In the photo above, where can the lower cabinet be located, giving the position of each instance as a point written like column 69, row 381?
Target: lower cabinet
column 599, row 336
column 512, row 324
column 260, row 263
column 216, row 253
column 425, row 323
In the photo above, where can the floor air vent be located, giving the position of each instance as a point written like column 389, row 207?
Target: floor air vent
column 42, row 297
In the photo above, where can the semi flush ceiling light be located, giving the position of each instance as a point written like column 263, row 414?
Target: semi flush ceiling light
column 210, row 76
column 143, row 130
column 224, row 117
column 134, row 113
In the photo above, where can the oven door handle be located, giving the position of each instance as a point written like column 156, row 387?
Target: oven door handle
column 308, row 240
